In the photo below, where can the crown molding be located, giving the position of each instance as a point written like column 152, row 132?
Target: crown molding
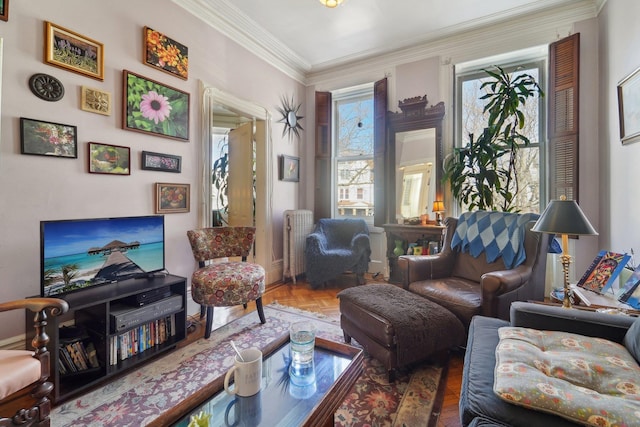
column 231, row 22
column 505, row 30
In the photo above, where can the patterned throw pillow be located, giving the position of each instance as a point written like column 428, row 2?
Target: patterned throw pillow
column 587, row 380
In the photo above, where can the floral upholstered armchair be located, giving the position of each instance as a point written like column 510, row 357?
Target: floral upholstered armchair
column 335, row 247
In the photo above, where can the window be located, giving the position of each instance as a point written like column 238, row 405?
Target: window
column 471, row 120
column 353, row 148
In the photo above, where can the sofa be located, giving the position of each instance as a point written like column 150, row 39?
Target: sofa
column 480, row 404
column 471, row 279
column 336, row 246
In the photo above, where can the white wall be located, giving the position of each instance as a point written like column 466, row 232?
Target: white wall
column 36, row 188
column 619, row 37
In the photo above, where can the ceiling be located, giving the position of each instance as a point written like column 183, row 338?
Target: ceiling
column 311, row 37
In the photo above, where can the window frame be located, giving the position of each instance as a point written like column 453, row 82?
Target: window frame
column 531, row 58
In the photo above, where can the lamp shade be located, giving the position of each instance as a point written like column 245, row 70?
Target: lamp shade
column 564, row 217
column 438, row 206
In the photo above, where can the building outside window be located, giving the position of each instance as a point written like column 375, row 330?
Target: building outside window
column 353, row 148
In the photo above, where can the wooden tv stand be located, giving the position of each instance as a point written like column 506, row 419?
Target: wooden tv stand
column 90, row 317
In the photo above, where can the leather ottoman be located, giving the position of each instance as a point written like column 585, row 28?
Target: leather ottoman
column 396, row 326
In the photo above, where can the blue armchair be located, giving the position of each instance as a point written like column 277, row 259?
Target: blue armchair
column 337, row 246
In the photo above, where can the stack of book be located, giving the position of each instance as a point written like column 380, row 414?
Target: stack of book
column 144, row 337
column 76, row 356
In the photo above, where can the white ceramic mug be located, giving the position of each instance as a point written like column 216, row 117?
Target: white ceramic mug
column 247, row 373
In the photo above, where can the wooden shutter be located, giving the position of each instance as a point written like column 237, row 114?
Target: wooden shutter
column 564, row 77
column 379, row 153
column 322, row 203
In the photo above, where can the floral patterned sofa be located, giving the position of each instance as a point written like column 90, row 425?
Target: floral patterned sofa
column 551, row 366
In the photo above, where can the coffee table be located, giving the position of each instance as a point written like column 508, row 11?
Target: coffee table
column 279, row 402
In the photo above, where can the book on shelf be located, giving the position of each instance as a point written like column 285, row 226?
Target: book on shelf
column 603, row 271
column 629, row 293
column 140, row 339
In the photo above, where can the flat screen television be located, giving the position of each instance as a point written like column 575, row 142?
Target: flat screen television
column 80, row 253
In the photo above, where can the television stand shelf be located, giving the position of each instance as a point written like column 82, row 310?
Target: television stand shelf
column 118, row 343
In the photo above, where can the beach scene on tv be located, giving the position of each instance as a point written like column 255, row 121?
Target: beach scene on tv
column 82, row 253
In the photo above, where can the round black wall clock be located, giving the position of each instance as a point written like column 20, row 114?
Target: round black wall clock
column 46, row 87
column 290, row 118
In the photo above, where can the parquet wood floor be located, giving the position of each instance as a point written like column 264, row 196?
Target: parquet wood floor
column 324, row 301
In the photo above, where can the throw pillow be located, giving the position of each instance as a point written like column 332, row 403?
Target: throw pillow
column 587, row 380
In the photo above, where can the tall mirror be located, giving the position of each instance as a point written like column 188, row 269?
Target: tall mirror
column 415, row 142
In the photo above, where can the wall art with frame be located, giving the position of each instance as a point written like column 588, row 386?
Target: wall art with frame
column 109, row 159
column 289, row 168
column 73, row 52
column 172, row 198
column 95, row 101
column 4, row 10
column 48, row 139
column 165, row 54
column 629, row 107
column 154, row 108
column 161, row 162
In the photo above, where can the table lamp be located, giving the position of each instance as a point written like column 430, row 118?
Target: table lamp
column 564, row 217
column 438, row 208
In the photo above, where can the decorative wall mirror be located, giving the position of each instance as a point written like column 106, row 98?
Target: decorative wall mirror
column 415, row 148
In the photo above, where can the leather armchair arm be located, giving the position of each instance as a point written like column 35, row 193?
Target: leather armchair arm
column 419, row 267
column 501, row 282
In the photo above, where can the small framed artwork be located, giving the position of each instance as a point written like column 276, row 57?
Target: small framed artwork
column 4, row 10
column 289, row 168
column 154, row 108
column 48, row 139
column 161, row 162
column 629, row 107
column 165, row 54
column 172, row 198
column 72, row 51
column 109, row 159
column 95, row 101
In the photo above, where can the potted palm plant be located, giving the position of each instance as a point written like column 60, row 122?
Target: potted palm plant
column 483, row 174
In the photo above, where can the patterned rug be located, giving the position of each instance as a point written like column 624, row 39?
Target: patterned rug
column 140, row 396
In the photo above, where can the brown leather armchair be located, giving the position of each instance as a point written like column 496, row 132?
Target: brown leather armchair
column 468, row 286
column 24, row 388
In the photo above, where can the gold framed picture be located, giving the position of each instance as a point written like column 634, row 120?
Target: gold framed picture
column 172, row 198
column 73, row 52
column 95, row 101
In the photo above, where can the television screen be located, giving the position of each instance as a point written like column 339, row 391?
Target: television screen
column 76, row 254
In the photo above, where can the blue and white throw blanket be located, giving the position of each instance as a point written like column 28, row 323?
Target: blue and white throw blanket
column 498, row 234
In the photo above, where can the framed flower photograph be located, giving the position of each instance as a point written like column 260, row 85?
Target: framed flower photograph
column 73, row 52
column 289, row 168
column 48, row 139
column 154, row 108
column 172, row 198
column 161, row 162
column 109, row 159
column 165, row 54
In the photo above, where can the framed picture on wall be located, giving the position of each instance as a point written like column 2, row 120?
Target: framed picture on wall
column 161, row 162
column 95, row 101
column 289, row 168
column 629, row 107
column 48, row 139
column 154, row 108
column 72, row 51
column 172, row 198
column 165, row 54
column 109, row 159
column 4, row 10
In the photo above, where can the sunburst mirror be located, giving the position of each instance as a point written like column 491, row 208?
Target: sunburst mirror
column 290, row 118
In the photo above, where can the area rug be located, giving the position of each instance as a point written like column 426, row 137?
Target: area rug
column 142, row 395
